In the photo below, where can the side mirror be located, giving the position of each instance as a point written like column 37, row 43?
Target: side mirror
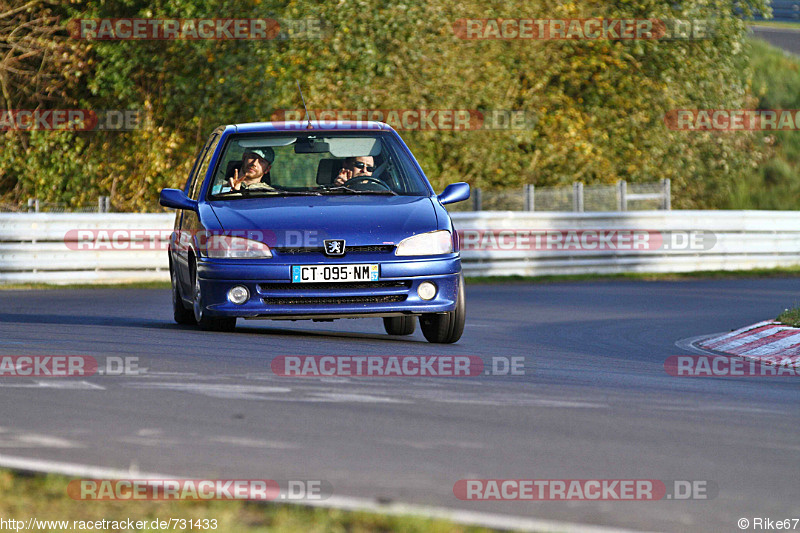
column 455, row 192
column 176, row 199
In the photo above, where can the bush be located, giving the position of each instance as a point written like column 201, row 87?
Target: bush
column 599, row 104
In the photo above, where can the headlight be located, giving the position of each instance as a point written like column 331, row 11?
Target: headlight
column 433, row 243
column 226, row 247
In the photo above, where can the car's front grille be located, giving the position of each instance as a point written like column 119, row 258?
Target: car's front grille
column 294, row 300
column 267, row 287
column 351, row 292
column 381, row 248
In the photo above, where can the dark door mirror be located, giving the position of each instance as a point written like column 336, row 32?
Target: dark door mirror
column 176, row 199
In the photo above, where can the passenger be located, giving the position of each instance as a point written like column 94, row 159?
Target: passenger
column 255, row 165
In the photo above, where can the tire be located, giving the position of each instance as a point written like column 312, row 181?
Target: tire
column 446, row 328
column 399, row 325
column 207, row 323
column 179, row 311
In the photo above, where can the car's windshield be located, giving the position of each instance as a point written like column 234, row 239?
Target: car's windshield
column 304, row 163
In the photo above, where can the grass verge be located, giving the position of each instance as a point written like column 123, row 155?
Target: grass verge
column 775, row 83
column 790, row 317
column 44, row 497
column 775, row 24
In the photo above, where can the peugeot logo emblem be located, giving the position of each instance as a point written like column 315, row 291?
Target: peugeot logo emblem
column 334, row 247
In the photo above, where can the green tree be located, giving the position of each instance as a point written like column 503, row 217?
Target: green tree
column 599, row 104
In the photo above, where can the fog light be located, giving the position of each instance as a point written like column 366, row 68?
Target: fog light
column 426, row 290
column 238, row 295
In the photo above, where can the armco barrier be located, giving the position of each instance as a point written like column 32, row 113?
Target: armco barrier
column 742, row 240
column 33, row 247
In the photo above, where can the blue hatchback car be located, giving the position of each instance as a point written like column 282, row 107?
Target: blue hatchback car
column 293, row 220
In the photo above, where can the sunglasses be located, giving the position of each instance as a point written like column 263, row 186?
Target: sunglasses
column 360, row 165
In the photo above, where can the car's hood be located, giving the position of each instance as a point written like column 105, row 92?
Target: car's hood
column 308, row 220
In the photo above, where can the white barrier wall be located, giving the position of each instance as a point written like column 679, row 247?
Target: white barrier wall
column 44, row 248
column 674, row 241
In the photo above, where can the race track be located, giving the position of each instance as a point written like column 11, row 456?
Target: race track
column 786, row 38
column 595, row 400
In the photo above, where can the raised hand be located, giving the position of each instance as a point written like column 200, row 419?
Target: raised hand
column 344, row 175
column 236, row 182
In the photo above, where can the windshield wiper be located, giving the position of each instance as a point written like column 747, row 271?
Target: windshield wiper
column 344, row 189
column 264, row 192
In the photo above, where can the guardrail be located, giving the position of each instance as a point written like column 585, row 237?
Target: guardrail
column 674, row 241
column 43, row 247
column 36, row 248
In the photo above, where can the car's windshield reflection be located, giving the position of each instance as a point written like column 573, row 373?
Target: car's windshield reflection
column 266, row 166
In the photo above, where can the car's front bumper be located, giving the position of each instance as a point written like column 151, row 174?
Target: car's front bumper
column 273, row 295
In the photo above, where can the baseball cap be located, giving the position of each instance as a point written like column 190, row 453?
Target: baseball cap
column 264, row 153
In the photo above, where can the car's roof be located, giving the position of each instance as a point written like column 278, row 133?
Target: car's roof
column 298, row 125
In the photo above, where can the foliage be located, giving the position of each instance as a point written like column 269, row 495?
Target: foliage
column 599, row 104
column 776, row 85
column 790, row 317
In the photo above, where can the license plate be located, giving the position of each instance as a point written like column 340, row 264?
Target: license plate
column 333, row 273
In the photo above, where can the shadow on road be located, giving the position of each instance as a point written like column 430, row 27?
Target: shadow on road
column 135, row 322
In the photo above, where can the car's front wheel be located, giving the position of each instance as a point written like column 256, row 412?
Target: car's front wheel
column 399, row 325
column 207, row 323
column 445, row 328
column 179, row 311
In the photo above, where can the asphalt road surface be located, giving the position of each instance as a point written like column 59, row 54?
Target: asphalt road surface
column 594, row 402
column 787, row 39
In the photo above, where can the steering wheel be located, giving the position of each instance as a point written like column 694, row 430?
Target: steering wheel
column 369, row 179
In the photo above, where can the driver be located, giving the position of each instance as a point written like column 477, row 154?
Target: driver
column 355, row 167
